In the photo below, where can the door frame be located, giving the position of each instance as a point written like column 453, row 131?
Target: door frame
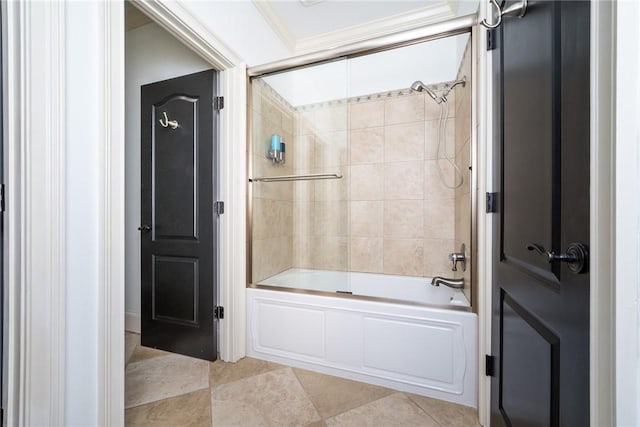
column 182, row 25
column 614, row 375
column 626, row 172
column 36, row 263
column 35, row 259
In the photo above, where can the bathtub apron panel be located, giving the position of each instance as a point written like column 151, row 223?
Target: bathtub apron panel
column 417, row 349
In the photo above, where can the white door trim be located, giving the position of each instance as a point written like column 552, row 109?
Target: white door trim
column 233, row 223
column 484, row 221
column 186, row 28
column 602, row 178
column 35, row 257
column 626, row 174
column 232, row 283
column 111, row 362
column 35, row 241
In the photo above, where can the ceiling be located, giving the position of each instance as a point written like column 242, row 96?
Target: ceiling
column 311, row 25
column 263, row 31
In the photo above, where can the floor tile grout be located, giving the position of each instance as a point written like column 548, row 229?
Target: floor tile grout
column 254, row 371
column 306, row 392
column 414, row 403
column 165, row 398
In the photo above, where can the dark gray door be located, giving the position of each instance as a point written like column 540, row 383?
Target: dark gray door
column 540, row 328
column 178, row 230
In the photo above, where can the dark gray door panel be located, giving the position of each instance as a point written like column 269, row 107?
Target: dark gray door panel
column 540, row 325
column 178, row 169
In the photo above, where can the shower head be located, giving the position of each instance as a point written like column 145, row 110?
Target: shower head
column 418, row 86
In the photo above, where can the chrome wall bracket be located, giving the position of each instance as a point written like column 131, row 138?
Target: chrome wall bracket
column 516, row 9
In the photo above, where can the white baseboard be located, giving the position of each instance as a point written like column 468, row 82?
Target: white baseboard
column 132, row 322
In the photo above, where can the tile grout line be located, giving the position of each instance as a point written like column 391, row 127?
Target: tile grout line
column 210, row 388
column 138, row 345
column 306, row 392
column 163, row 399
column 393, row 392
column 414, row 403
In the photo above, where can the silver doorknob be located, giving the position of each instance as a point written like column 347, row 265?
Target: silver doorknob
column 144, row 228
column 577, row 256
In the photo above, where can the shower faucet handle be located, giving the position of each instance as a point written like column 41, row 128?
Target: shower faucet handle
column 457, row 257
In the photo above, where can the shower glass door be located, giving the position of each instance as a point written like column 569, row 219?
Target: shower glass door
column 300, row 181
column 375, row 182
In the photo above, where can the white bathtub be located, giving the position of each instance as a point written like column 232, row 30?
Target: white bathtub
column 424, row 345
column 404, row 288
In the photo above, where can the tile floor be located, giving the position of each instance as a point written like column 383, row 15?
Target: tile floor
column 165, row 389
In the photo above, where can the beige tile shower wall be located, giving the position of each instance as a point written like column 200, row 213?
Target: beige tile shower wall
column 391, row 212
column 321, row 207
column 272, row 210
column 401, row 216
column 463, row 159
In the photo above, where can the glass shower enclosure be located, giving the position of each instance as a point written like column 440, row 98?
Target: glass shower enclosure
column 352, row 170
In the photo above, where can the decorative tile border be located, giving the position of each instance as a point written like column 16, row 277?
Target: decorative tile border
column 352, row 100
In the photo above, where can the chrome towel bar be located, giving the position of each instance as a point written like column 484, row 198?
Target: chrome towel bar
column 307, row 177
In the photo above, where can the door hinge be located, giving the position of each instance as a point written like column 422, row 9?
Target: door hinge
column 218, row 312
column 492, row 202
column 2, row 198
column 489, row 363
column 492, row 39
column 218, row 103
column 218, row 208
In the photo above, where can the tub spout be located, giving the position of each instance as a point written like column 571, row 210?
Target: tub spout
column 452, row 283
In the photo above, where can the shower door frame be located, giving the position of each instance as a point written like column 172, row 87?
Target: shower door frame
column 453, row 27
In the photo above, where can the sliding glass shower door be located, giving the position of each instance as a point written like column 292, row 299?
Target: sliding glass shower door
column 300, row 181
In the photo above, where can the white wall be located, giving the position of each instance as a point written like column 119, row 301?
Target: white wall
column 145, row 62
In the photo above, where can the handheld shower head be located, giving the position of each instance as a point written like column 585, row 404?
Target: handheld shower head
column 418, row 86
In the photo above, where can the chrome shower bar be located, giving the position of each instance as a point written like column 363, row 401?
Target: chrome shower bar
column 307, row 177
column 434, row 31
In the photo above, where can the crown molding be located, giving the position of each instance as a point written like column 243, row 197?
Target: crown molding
column 376, row 28
column 277, row 25
column 454, row 5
